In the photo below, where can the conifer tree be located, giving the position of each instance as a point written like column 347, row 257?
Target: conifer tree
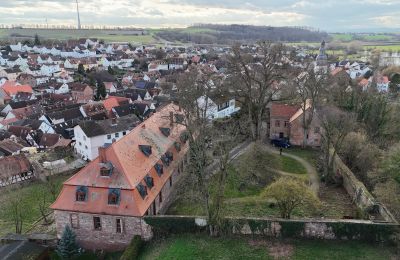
column 68, row 248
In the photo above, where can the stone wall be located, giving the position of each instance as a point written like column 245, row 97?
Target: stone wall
column 359, row 193
column 107, row 238
column 274, row 227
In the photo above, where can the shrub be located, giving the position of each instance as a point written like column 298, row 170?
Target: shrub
column 133, row 250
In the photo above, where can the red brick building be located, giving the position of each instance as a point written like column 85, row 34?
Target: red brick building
column 286, row 121
column 105, row 202
column 81, row 93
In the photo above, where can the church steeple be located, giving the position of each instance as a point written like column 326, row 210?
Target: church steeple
column 322, row 58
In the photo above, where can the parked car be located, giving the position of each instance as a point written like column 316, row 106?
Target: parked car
column 282, row 143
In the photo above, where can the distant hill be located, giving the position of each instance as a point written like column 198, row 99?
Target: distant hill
column 227, row 34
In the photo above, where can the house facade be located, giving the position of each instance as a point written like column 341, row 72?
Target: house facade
column 106, row 201
column 286, row 122
column 90, row 135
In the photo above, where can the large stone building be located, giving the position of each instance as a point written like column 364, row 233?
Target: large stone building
column 105, row 202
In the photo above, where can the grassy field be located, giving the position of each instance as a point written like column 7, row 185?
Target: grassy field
column 392, row 48
column 29, row 195
column 203, row 247
column 346, row 37
column 247, row 178
column 106, row 35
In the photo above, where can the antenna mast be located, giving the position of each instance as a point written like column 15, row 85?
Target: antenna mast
column 79, row 19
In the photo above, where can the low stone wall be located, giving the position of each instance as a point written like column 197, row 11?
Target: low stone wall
column 280, row 228
column 359, row 193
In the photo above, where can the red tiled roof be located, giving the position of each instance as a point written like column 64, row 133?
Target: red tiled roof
column 283, row 110
column 115, row 101
column 11, row 88
column 130, row 167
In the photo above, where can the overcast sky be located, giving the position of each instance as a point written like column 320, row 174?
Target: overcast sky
column 328, row 15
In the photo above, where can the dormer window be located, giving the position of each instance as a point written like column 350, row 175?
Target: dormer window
column 170, row 156
column 165, row 131
column 142, row 190
column 179, row 118
column 114, row 196
column 149, row 181
column 184, row 137
column 81, row 193
column 106, row 169
column 177, row 146
column 165, row 160
column 146, row 149
column 159, row 169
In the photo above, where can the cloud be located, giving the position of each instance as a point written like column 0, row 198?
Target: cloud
column 332, row 15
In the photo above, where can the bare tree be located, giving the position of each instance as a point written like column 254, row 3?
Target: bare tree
column 336, row 125
column 43, row 206
column 16, row 209
column 194, row 89
column 309, row 85
column 255, row 78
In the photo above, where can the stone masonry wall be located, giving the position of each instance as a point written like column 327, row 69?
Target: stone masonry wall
column 107, row 238
column 358, row 192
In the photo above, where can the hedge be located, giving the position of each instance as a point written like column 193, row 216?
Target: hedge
column 133, row 250
column 341, row 229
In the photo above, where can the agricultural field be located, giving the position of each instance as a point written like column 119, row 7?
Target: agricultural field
column 389, row 48
column 29, row 196
column 66, row 34
column 347, row 37
column 198, row 246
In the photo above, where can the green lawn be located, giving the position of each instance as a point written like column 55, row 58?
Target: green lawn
column 290, row 165
column 29, row 195
column 247, row 178
column 308, row 154
column 192, row 246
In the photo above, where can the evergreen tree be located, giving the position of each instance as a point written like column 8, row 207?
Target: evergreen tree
column 68, row 248
column 37, row 41
column 81, row 69
column 111, row 70
column 101, row 90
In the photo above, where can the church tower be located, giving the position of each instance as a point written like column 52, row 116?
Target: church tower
column 322, row 58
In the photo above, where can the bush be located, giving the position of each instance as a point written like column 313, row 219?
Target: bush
column 133, row 250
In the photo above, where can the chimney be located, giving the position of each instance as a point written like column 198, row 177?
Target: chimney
column 171, row 118
column 102, row 154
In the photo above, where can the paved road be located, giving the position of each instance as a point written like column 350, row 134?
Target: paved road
column 312, row 172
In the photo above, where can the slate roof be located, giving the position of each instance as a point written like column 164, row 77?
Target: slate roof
column 95, row 128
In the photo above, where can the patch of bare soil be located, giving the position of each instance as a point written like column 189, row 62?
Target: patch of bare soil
column 276, row 249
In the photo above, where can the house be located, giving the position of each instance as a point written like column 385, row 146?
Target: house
column 9, row 147
column 382, row 84
column 94, row 111
column 11, row 88
column 90, row 135
column 81, row 93
column 111, row 87
column 115, row 101
column 280, row 115
column 15, row 169
column 286, row 121
column 106, row 201
column 218, row 107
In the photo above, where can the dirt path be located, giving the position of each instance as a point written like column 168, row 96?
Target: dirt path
column 312, row 172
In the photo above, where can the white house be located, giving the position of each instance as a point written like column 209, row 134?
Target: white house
column 90, row 135
column 218, row 108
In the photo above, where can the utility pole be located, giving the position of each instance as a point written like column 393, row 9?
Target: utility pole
column 79, row 19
